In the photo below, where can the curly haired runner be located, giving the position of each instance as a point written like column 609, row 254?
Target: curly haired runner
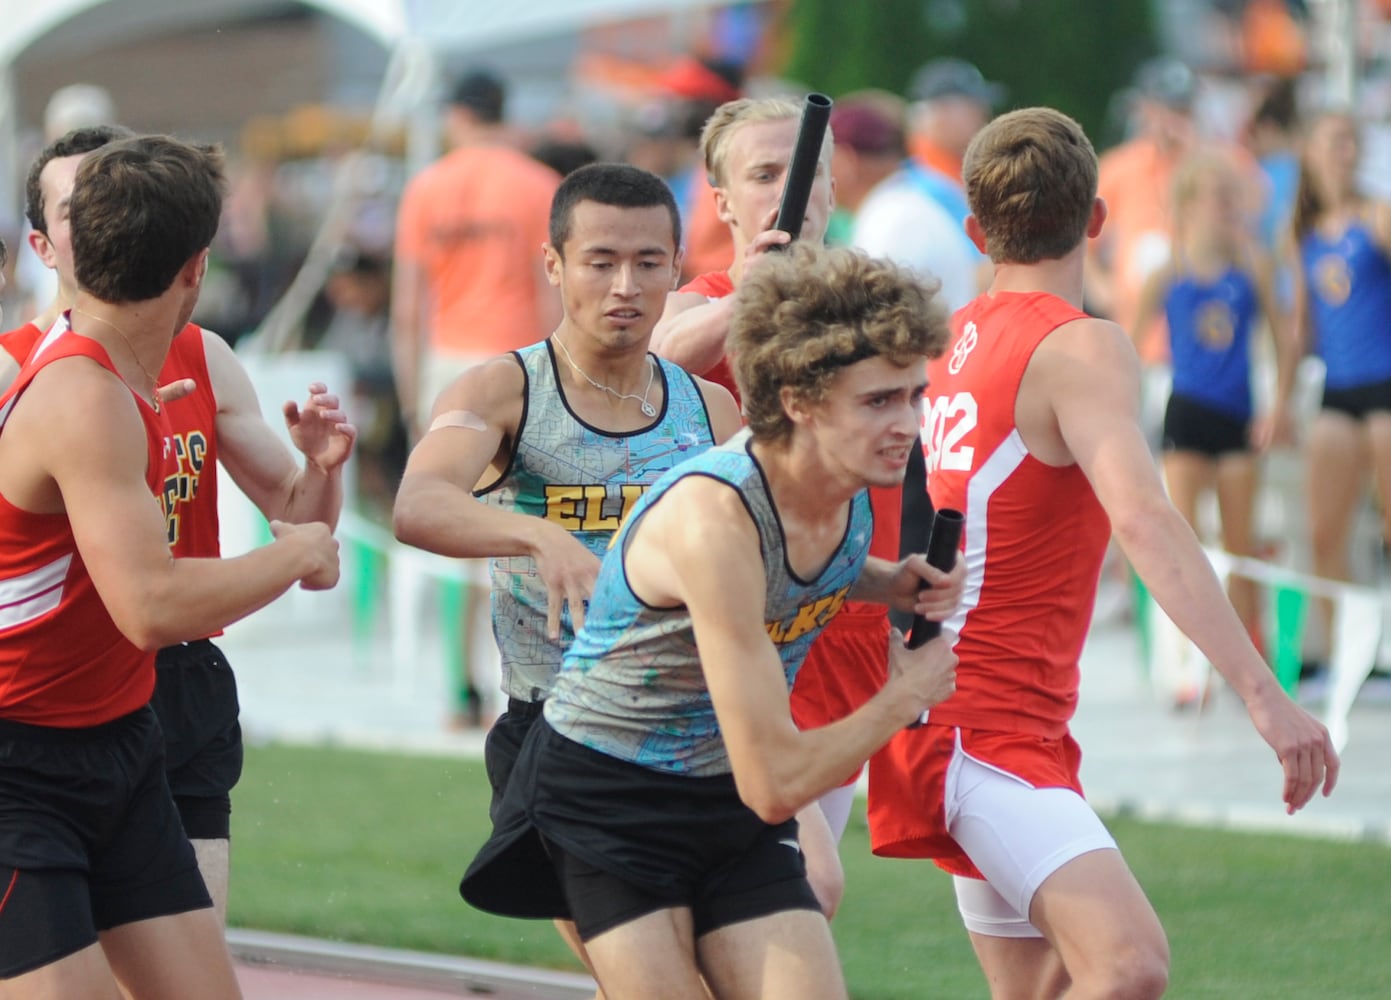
column 663, row 778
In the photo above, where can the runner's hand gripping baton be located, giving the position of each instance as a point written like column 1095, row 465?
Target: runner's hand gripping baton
column 801, row 171
column 943, row 539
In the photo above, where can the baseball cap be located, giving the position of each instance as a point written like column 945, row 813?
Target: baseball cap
column 951, row 77
column 865, row 129
column 479, row 91
column 693, row 79
column 1168, row 81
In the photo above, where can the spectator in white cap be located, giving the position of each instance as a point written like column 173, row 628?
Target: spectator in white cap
column 78, row 105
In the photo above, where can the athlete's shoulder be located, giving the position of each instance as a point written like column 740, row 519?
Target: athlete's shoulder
column 20, row 341
column 494, row 390
column 702, row 497
column 1087, row 343
column 711, row 284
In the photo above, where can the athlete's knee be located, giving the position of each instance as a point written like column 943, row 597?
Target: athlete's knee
column 1137, row 972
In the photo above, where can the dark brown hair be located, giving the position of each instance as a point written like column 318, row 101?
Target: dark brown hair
column 74, row 143
column 141, row 208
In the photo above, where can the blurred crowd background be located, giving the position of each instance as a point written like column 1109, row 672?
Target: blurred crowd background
column 327, row 108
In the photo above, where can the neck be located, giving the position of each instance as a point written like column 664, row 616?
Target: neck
column 736, row 269
column 477, row 134
column 801, row 485
column 136, row 336
column 63, row 301
column 1208, row 253
column 1337, row 195
column 624, row 369
column 1061, row 276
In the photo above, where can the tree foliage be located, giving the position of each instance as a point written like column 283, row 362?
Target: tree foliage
column 1070, row 54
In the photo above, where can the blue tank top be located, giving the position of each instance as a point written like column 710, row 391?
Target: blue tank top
column 585, row 480
column 1210, row 339
column 632, row 686
column 1349, row 280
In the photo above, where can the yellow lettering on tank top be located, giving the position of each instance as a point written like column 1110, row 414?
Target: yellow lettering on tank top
column 594, row 518
column 190, row 452
column 809, row 616
column 562, row 503
column 581, row 508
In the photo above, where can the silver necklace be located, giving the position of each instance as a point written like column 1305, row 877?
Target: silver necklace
column 154, row 382
column 648, row 410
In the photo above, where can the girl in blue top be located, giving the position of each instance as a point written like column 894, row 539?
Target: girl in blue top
column 1342, row 303
column 1216, row 291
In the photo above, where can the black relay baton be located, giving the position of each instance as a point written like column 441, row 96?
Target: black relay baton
column 801, row 170
column 943, row 540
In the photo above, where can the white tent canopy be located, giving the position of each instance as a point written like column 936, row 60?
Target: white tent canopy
column 454, row 25
column 416, row 32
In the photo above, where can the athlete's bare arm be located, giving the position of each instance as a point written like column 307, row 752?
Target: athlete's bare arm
column 1078, row 401
column 1381, row 225
column 724, row 412
column 257, row 460
column 54, row 457
column 693, row 330
column 468, row 445
column 1301, row 322
column 698, row 546
column 1151, row 301
column 410, row 294
column 912, row 585
column 1275, row 427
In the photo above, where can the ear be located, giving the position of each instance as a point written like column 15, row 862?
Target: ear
column 39, row 243
column 796, row 409
column 975, row 233
column 722, row 210
column 196, row 268
column 1097, row 219
column 676, row 268
column 553, row 263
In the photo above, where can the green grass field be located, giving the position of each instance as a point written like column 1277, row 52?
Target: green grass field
column 369, row 847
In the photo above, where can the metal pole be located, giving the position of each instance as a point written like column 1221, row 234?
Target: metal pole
column 1335, row 46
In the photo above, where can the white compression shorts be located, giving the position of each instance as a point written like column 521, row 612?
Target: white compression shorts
column 1017, row 835
column 835, row 806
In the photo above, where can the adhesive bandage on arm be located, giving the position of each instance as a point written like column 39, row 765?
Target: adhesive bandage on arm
column 466, row 419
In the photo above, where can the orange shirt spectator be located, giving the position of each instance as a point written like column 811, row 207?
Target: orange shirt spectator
column 1136, row 180
column 475, row 223
column 709, row 245
column 469, row 281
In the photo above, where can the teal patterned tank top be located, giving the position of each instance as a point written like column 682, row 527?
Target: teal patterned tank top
column 585, row 480
column 631, row 685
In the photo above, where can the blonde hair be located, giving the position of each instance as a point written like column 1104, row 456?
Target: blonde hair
column 1193, row 169
column 803, row 315
column 1030, row 179
column 721, row 127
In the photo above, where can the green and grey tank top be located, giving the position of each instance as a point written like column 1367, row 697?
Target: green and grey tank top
column 585, row 480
